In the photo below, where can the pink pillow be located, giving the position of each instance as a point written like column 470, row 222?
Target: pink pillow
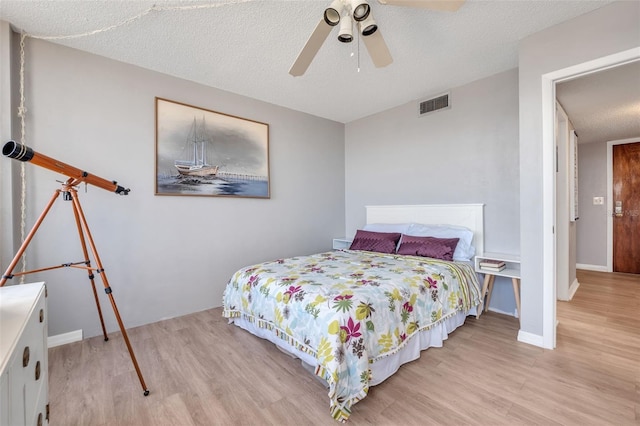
column 381, row 242
column 437, row 248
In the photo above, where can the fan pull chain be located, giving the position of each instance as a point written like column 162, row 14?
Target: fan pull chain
column 358, row 33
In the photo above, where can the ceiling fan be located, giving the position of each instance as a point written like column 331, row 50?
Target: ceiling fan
column 348, row 12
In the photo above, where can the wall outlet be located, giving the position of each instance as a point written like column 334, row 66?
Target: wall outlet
column 598, row 201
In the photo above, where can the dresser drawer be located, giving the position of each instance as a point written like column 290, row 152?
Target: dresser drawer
column 24, row 376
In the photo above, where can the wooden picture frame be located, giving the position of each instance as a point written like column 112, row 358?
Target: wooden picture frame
column 201, row 152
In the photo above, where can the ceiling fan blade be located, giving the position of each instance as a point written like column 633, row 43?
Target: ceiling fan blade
column 445, row 5
column 378, row 49
column 308, row 52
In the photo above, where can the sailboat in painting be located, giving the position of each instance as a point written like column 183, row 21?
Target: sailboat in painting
column 197, row 143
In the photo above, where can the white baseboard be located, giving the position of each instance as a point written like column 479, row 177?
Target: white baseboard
column 573, row 288
column 498, row 311
column 64, row 338
column 586, row 267
column 530, row 338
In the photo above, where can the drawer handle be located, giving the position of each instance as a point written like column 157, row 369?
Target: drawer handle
column 41, row 315
column 38, row 370
column 25, row 356
column 39, row 419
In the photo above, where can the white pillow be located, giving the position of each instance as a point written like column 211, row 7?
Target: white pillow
column 464, row 250
column 387, row 227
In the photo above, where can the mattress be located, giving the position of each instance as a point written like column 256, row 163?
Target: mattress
column 354, row 316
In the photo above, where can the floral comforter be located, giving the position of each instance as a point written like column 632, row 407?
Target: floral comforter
column 350, row 308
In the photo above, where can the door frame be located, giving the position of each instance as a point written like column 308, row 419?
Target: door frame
column 548, row 82
column 610, row 145
column 563, row 125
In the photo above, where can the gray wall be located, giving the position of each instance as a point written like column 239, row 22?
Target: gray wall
column 164, row 256
column 466, row 154
column 592, row 226
column 6, row 224
column 611, row 29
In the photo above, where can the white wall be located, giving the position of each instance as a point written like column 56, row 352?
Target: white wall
column 466, row 154
column 606, row 31
column 592, row 226
column 164, row 256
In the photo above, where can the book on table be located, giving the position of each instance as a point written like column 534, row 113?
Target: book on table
column 491, row 263
column 493, row 268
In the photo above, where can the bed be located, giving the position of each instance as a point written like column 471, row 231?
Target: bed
column 354, row 316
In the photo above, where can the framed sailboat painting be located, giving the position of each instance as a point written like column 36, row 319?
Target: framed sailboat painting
column 207, row 153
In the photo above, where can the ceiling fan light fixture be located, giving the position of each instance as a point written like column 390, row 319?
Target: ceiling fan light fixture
column 368, row 26
column 333, row 12
column 361, row 10
column 346, row 30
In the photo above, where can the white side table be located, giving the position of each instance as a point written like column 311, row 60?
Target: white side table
column 511, row 270
column 341, row 243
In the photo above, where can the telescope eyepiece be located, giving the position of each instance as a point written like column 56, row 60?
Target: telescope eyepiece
column 17, row 151
column 122, row 191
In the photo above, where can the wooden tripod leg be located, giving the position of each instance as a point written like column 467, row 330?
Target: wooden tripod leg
column 28, row 239
column 90, row 271
column 107, row 287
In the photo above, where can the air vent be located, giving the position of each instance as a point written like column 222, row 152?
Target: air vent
column 434, row 104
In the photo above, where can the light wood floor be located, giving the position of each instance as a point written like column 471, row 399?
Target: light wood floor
column 202, row 371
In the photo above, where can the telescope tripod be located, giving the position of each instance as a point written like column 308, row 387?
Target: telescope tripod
column 70, row 193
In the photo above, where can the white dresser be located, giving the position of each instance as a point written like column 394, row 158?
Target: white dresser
column 24, row 398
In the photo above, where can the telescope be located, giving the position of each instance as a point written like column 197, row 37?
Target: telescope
column 17, row 151
column 20, row 152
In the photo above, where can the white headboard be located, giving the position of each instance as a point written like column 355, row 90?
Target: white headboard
column 468, row 215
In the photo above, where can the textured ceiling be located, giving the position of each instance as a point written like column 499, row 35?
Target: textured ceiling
column 605, row 105
column 247, row 47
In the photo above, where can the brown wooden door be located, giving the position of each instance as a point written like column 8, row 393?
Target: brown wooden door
column 626, row 208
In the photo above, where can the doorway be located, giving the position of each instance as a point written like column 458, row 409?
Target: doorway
column 549, row 81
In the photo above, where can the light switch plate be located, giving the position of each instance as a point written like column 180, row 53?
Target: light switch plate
column 598, row 201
